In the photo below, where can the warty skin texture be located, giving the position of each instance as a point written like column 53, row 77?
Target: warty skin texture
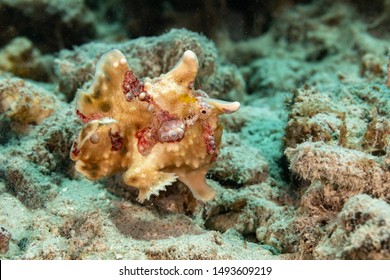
column 153, row 130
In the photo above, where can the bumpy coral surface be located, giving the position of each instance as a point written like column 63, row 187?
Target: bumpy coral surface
column 154, row 130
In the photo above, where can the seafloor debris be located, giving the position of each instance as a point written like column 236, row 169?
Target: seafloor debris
column 352, row 171
column 81, row 230
column 5, row 237
column 155, row 130
column 354, row 117
column 337, row 146
column 325, row 60
column 141, row 223
column 32, row 168
column 240, row 166
column 26, row 182
column 362, row 231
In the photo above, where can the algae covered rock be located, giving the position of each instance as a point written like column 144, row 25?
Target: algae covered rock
column 5, row 237
column 351, row 171
column 303, row 172
column 240, row 166
column 341, row 115
column 362, row 231
column 24, row 102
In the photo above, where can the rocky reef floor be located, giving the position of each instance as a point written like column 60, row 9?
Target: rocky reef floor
column 304, row 167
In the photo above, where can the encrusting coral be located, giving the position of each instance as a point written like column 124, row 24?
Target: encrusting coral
column 154, row 130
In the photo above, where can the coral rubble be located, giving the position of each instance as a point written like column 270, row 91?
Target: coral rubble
column 362, row 231
column 239, row 165
column 300, row 172
column 352, row 170
column 25, row 103
column 5, row 237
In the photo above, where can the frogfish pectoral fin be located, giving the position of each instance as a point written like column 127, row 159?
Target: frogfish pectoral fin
column 224, row 106
column 196, row 182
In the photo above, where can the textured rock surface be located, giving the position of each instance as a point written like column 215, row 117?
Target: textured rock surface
column 5, row 237
column 350, row 170
column 24, row 102
column 362, row 231
column 240, row 165
column 304, row 166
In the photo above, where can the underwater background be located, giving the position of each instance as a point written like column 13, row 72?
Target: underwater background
column 304, row 165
